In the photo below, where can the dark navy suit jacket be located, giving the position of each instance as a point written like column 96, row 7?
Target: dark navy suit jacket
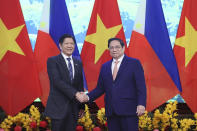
column 61, row 98
column 127, row 91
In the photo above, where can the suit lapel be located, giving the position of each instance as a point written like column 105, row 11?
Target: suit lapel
column 109, row 70
column 64, row 66
column 122, row 67
column 76, row 67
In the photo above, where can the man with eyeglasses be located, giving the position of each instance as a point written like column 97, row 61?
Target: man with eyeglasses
column 122, row 80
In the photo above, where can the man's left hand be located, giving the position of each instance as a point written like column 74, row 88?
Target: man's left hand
column 140, row 110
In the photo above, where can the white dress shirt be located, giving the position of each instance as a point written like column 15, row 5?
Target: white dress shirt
column 71, row 60
column 118, row 65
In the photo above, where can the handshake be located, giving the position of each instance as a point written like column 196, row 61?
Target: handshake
column 82, row 97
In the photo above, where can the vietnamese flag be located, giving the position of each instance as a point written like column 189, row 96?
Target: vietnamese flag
column 19, row 83
column 185, row 50
column 105, row 23
column 150, row 44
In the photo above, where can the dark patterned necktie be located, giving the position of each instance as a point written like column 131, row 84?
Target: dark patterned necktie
column 70, row 69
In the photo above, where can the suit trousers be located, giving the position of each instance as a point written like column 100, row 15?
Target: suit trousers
column 122, row 123
column 68, row 123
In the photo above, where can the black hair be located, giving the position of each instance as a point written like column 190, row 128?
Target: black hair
column 61, row 39
column 118, row 39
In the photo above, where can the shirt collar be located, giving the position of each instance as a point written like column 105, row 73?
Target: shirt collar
column 65, row 56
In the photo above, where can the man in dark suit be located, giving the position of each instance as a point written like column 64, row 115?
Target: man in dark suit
column 66, row 83
column 122, row 80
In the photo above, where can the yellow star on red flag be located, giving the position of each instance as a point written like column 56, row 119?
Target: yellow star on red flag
column 100, row 38
column 8, row 40
column 188, row 41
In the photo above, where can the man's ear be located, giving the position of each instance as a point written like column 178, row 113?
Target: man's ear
column 60, row 46
column 124, row 48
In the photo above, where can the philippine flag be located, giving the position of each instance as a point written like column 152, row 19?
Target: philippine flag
column 150, row 43
column 54, row 23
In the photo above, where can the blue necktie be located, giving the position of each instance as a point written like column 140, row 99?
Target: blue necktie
column 70, row 69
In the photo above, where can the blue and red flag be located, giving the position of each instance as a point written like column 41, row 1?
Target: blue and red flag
column 150, row 43
column 54, row 23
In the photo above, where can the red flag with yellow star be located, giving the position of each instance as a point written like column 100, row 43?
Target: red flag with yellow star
column 105, row 23
column 185, row 51
column 18, row 77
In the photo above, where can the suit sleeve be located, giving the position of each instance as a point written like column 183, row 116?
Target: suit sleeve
column 140, row 84
column 99, row 90
column 58, row 83
column 81, row 86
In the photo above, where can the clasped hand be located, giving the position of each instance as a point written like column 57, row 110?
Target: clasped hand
column 82, row 97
